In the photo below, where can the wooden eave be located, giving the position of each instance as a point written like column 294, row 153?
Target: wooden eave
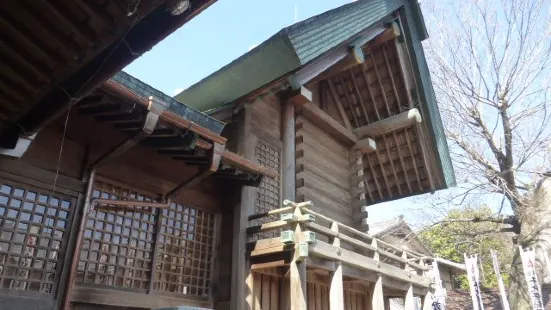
column 117, row 105
column 52, row 52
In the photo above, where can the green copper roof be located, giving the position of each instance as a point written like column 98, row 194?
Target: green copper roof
column 144, row 90
column 284, row 52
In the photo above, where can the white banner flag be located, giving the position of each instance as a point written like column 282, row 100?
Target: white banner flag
column 473, row 275
column 528, row 258
column 497, row 270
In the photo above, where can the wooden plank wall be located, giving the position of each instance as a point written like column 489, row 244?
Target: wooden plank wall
column 271, row 292
column 266, row 137
column 322, row 171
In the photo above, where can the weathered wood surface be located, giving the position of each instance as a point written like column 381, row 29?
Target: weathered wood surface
column 322, row 170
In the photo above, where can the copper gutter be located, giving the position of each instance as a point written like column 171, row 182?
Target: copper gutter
column 178, row 121
column 167, row 116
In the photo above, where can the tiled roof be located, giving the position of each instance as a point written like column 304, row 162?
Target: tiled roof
column 449, row 263
column 144, row 90
column 461, row 300
column 316, row 35
column 379, row 229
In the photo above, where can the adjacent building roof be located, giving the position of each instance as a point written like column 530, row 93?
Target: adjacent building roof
column 461, row 300
column 449, row 263
column 398, row 232
column 145, row 90
column 297, row 45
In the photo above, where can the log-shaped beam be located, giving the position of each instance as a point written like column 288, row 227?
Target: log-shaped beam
column 318, row 117
column 312, row 70
column 390, row 124
column 366, row 145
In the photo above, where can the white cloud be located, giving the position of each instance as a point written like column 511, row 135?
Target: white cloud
column 177, row 91
column 252, row 46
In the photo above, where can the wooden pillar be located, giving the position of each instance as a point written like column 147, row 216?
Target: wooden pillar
column 409, row 299
column 288, row 172
column 241, row 281
column 336, row 290
column 297, row 270
column 288, row 158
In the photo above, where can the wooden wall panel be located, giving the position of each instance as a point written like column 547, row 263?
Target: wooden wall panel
column 322, row 171
column 267, row 292
column 266, row 117
column 272, row 292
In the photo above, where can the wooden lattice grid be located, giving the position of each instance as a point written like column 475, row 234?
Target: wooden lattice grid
column 33, row 226
column 184, row 251
column 117, row 248
column 268, row 194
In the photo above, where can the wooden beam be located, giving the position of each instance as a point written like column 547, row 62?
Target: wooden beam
column 428, row 163
column 321, row 119
column 354, row 58
column 316, row 67
column 405, row 69
column 390, row 124
column 419, row 184
column 299, row 96
column 359, row 261
column 389, row 70
column 337, row 101
column 366, row 145
column 390, row 33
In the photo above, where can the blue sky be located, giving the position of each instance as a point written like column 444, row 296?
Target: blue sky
column 223, row 32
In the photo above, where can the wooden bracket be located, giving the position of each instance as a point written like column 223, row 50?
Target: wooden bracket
column 155, row 110
column 299, row 96
column 215, row 156
column 366, row 145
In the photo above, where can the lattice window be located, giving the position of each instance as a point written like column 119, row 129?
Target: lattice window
column 33, row 227
column 184, row 251
column 268, row 193
column 117, row 247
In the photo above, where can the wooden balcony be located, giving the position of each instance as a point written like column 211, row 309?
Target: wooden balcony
column 318, row 263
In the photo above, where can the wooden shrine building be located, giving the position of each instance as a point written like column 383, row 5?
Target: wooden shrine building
column 249, row 190
column 342, row 105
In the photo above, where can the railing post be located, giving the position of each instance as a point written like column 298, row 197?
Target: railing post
column 409, row 299
column 336, row 293
column 377, row 295
column 298, row 270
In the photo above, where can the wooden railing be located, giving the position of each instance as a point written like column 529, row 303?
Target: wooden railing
column 309, row 236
